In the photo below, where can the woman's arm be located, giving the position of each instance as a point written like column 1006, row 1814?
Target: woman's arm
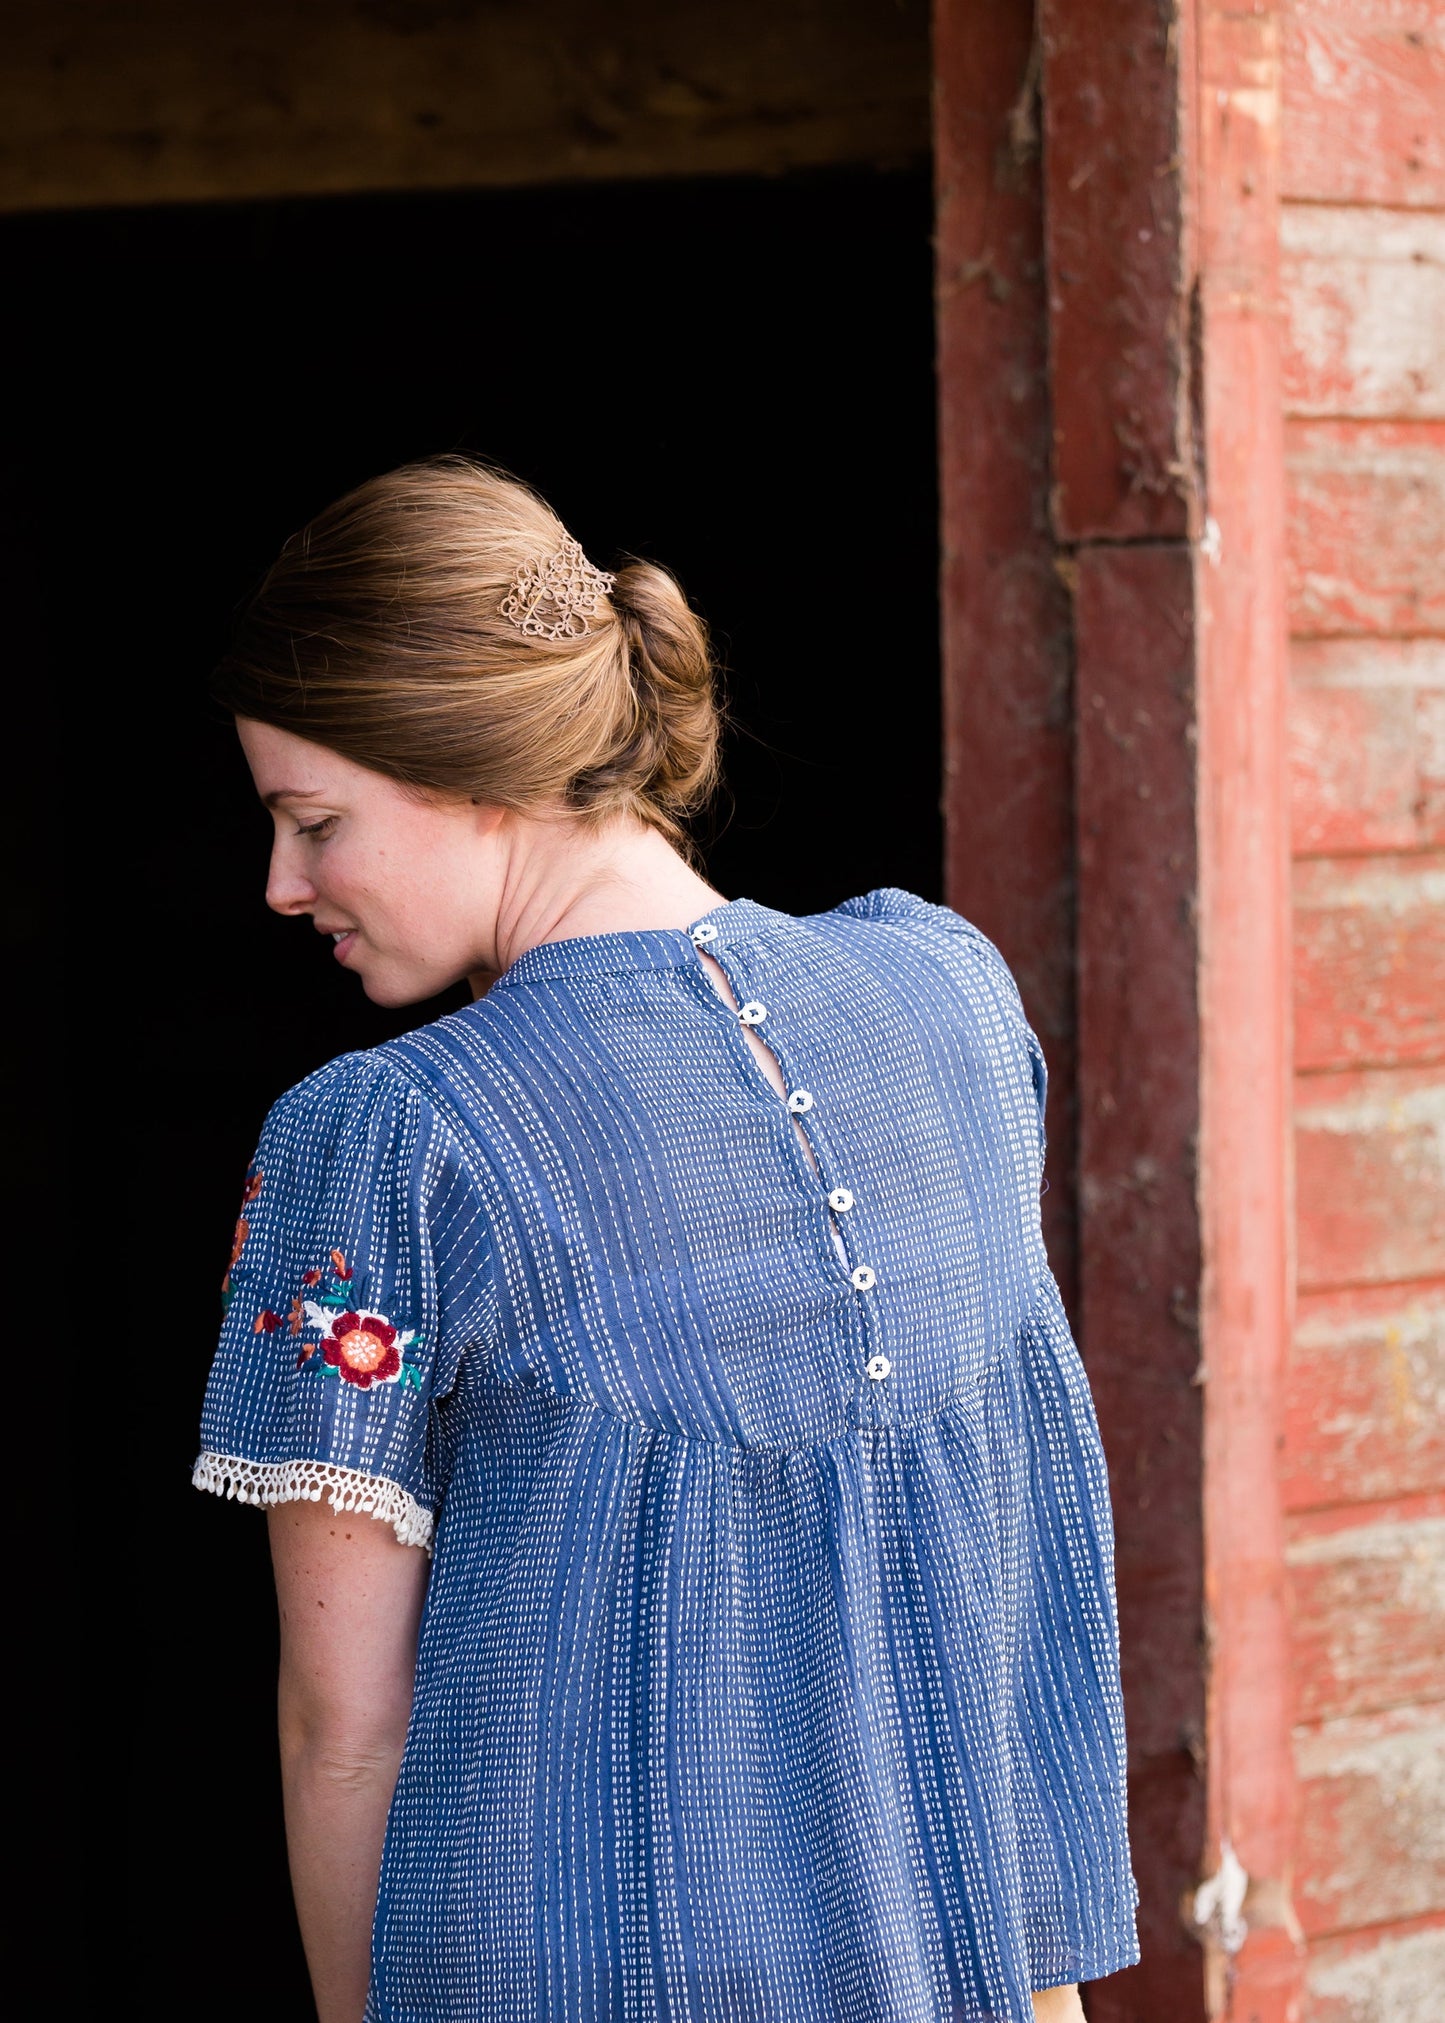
column 350, row 1600
column 1058, row 2005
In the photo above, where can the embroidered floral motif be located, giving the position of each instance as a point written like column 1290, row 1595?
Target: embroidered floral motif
column 249, row 1193
column 363, row 1348
column 357, row 1344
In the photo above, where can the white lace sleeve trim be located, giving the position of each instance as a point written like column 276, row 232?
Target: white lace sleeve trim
column 272, row 1482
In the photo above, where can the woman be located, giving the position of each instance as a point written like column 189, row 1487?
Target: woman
column 736, row 1640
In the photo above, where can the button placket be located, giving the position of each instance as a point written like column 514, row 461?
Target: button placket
column 800, row 1102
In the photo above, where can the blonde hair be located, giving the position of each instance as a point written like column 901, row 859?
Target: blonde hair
column 378, row 632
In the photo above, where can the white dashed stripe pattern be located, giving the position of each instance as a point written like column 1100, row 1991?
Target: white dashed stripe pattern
column 769, row 1668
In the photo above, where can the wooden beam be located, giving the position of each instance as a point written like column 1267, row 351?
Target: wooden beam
column 1118, row 309
column 1244, row 933
column 1008, row 735
column 1139, row 1247
column 165, row 101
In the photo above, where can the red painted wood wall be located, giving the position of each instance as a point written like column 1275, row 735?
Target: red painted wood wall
column 1362, row 233
column 1190, row 357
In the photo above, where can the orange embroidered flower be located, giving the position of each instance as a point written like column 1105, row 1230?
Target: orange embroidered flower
column 253, row 1187
column 238, row 1242
column 297, row 1314
column 362, row 1348
column 338, row 1259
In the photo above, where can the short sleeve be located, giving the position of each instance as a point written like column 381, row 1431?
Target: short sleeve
column 359, row 1274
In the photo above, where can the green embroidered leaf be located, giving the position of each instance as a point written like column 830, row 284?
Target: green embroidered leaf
column 410, row 1377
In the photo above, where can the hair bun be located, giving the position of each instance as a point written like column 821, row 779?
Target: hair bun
column 671, row 670
column 416, row 627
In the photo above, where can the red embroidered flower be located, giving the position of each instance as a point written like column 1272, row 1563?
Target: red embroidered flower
column 362, row 1348
column 338, row 1258
column 266, row 1322
column 238, row 1242
column 311, row 1278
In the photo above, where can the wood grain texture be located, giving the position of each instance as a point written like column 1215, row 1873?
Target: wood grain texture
column 1364, row 304
column 1140, row 1241
column 1364, row 84
column 1243, row 911
column 1368, row 663
column 1114, row 239
column 1389, row 1975
column 1365, row 1396
column 1007, row 706
column 1370, row 1176
column 1366, row 506
column 1368, row 1607
column 1355, row 770
column 163, row 101
column 1430, row 751
column 1369, row 961
column 1372, row 1819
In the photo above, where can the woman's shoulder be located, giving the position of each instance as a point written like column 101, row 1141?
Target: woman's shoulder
column 366, row 1091
column 922, row 919
column 942, row 936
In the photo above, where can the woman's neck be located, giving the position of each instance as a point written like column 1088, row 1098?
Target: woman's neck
column 563, row 881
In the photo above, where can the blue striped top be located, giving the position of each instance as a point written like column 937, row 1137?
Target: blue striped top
column 769, row 1667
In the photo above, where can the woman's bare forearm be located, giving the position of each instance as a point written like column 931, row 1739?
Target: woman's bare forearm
column 350, row 1602
column 337, row 1798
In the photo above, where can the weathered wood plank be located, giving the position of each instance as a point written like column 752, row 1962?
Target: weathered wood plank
column 1368, row 1610
column 1365, row 1396
column 1370, row 1175
column 1364, row 302
column 1118, row 312
column 1366, row 504
column 1134, row 628
column 164, row 101
column 1369, row 961
column 1008, row 732
column 1430, row 746
column 1364, row 83
column 1368, row 663
column 1232, row 120
column 1372, row 1819
column 1390, row 1976
column 1354, row 770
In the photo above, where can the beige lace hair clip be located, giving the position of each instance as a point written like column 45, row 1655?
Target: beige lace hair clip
column 555, row 598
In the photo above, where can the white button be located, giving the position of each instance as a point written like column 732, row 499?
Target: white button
column 840, row 1201
column 753, row 1013
column 878, row 1368
column 864, row 1277
column 704, row 931
column 800, row 1102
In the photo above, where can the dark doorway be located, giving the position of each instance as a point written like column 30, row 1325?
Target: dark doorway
column 733, row 376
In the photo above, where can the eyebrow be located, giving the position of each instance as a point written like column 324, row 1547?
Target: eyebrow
column 287, row 794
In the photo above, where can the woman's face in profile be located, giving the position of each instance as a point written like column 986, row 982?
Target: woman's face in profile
column 404, row 887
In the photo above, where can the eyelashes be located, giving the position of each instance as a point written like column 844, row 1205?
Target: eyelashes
column 322, row 828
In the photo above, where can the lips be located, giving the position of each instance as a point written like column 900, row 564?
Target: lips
column 341, row 938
